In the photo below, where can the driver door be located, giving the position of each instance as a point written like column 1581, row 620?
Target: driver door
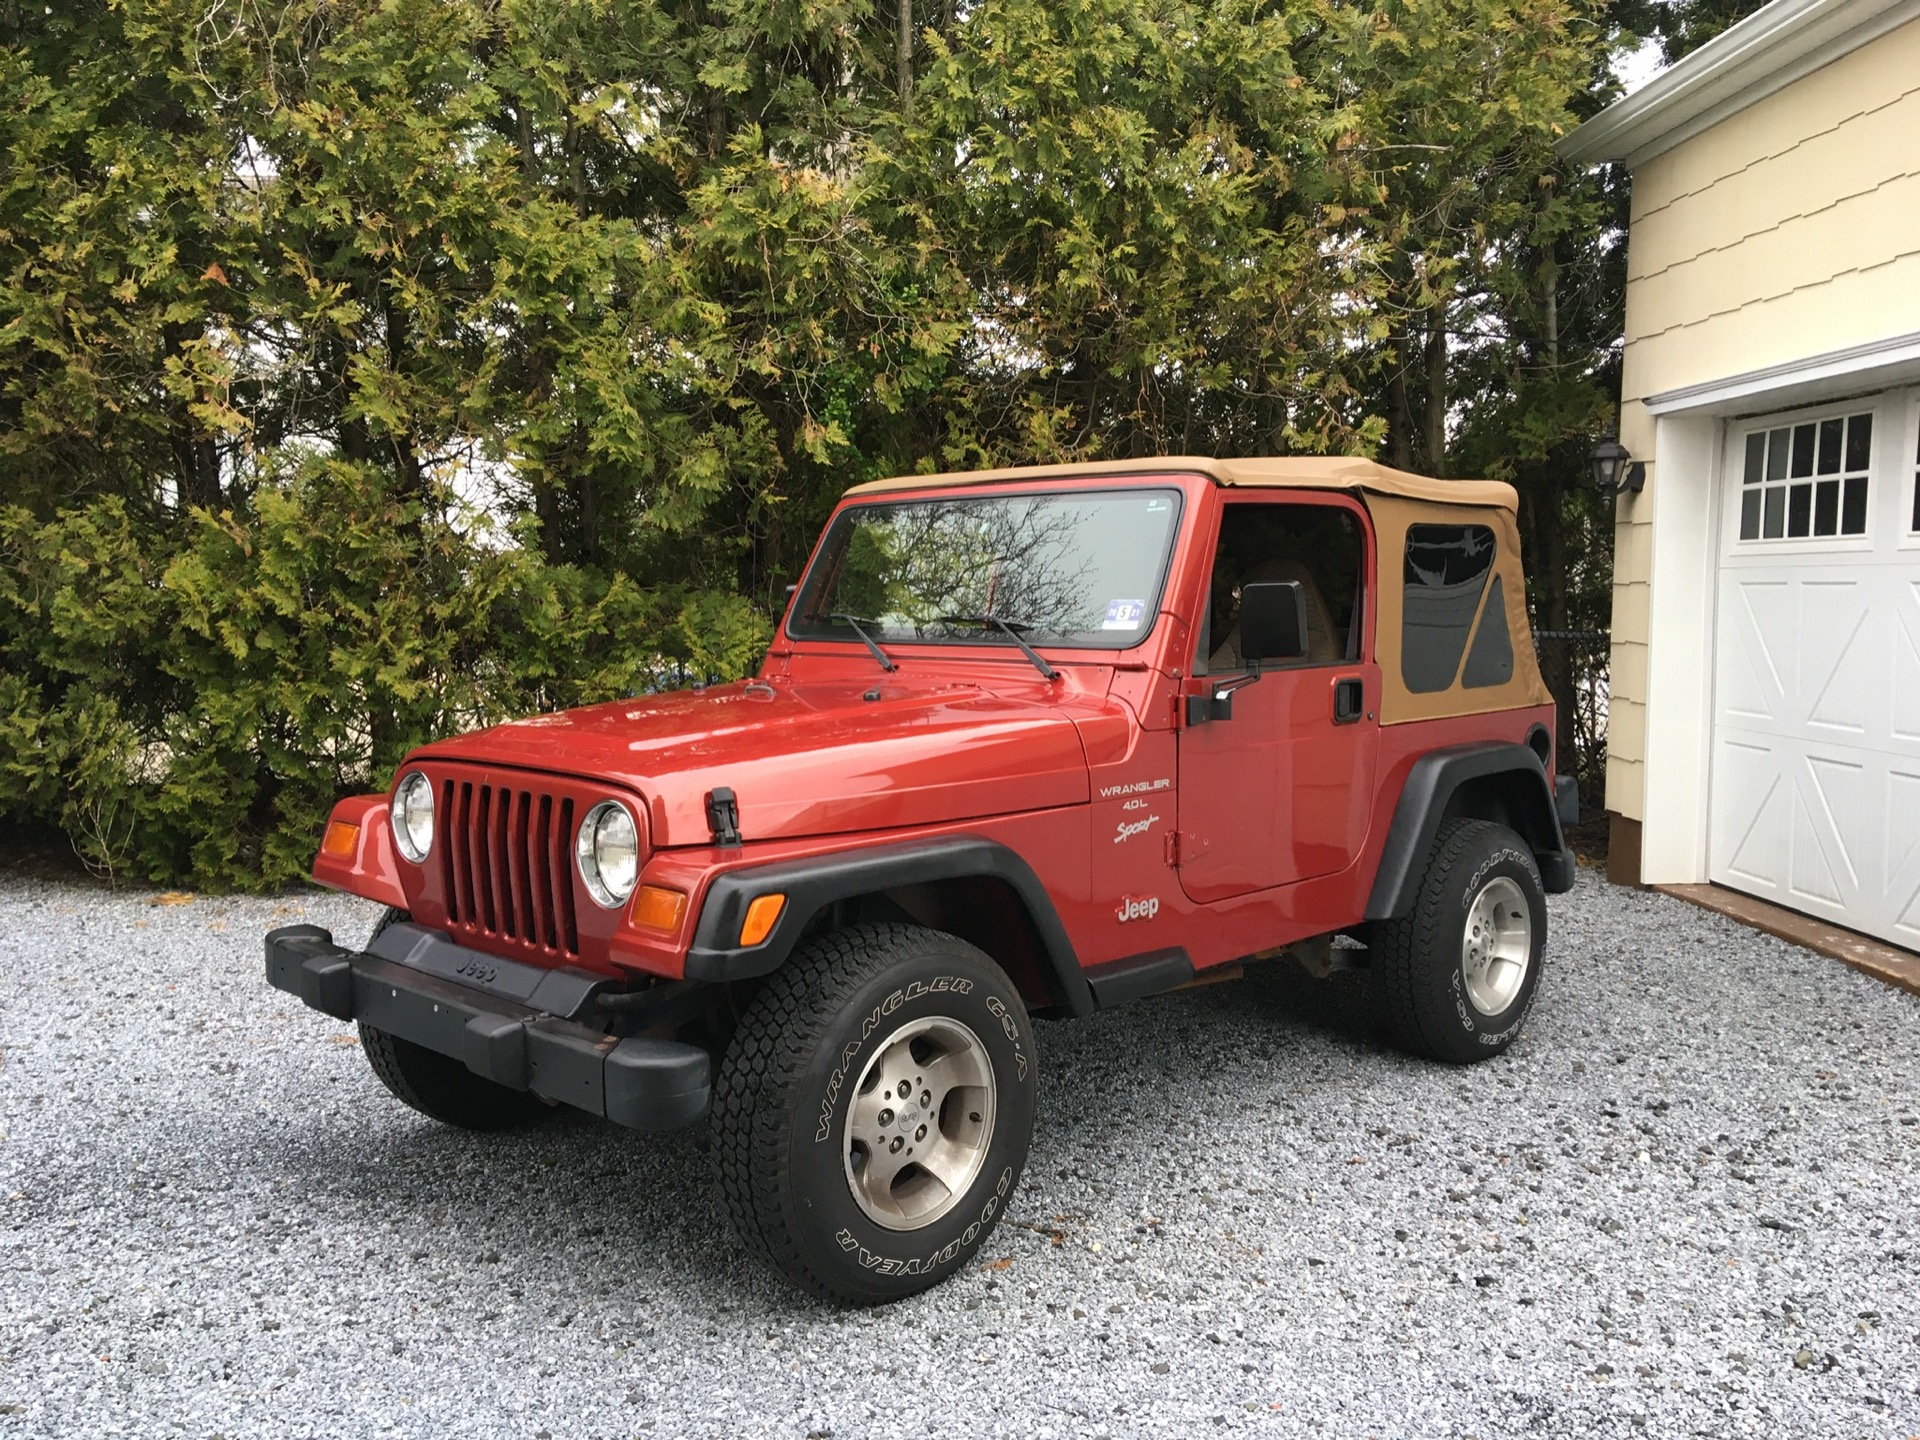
column 1282, row 790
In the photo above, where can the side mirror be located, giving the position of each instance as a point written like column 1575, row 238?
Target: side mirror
column 1273, row 622
column 1273, row 626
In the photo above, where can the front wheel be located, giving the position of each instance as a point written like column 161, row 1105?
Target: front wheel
column 1456, row 976
column 873, row 1111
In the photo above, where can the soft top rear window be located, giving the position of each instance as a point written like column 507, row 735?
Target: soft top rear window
column 1446, row 573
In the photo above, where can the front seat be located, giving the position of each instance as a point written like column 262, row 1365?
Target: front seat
column 1324, row 643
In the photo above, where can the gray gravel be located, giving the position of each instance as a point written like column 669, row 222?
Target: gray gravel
column 1683, row 1205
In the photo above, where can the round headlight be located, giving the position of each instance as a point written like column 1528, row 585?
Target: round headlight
column 413, row 816
column 609, row 853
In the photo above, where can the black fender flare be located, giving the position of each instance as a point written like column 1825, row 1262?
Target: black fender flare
column 1424, row 803
column 813, row 883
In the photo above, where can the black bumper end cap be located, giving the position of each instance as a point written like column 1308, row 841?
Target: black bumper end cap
column 657, row 1084
column 303, row 960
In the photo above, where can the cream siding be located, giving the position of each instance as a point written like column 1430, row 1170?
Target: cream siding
column 1859, row 83
column 1859, row 234
column 1788, row 230
column 1818, row 316
column 1830, row 169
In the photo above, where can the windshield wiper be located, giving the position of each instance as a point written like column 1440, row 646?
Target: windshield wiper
column 1011, row 629
column 857, row 625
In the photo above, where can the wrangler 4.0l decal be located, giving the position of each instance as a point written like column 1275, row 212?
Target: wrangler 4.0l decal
column 1134, row 787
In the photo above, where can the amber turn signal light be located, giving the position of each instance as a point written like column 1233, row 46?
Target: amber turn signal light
column 761, row 915
column 341, row 839
column 658, row 908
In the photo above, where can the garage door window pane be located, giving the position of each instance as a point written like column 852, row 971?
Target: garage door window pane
column 1777, row 444
column 1802, row 450
column 1826, row 507
column 1859, row 441
column 1783, row 500
column 1830, row 433
column 1853, row 513
column 1776, row 521
column 1916, row 489
column 1799, row 511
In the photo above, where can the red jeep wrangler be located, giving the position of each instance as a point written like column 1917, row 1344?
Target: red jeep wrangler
column 1035, row 741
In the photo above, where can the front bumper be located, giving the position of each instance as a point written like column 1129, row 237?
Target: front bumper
column 503, row 1020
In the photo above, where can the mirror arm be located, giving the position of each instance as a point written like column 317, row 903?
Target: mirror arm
column 1217, row 704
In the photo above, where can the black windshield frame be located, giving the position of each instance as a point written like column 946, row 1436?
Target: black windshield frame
column 972, row 638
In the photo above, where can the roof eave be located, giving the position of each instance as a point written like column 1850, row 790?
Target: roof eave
column 1776, row 45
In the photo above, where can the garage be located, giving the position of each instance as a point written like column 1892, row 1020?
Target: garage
column 1814, row 796
column 1763, row 733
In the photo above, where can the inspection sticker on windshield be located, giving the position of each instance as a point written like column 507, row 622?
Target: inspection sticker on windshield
column 1124, row 615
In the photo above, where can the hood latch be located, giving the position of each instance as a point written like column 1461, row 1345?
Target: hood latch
column 723, row 816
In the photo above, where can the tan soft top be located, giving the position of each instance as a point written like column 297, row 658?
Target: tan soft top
column 1305, row 472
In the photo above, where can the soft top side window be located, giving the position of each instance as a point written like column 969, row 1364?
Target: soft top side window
column 1446, row 579
column 1319, row 546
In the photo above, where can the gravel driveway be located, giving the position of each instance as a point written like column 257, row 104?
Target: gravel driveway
column 1683, row 1205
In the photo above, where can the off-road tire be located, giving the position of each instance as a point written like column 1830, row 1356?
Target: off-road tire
column 786, row 1086
column 1419, row 963
column 439, row 1086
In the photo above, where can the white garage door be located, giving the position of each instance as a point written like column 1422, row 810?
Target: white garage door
column 1815, row 781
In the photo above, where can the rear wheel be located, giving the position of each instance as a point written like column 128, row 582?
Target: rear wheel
column 873, row 1111
column 1456, row 976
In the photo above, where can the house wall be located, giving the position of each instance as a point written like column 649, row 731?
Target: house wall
column 1788, row 230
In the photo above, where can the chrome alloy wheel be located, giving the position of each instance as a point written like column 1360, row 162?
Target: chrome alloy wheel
column 1497, row 947
column 920, row 1123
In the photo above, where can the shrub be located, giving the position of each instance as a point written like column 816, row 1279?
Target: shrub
column 187, row 703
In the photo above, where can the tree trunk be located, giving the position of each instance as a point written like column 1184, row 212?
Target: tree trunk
column 546, row 509
column 903, row 58
column 1549, row 560
column 406, row 455
column 197, row 463
column 1399, row 406
column 1436, row 418
column 196, row 457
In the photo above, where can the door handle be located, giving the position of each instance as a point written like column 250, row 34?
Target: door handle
column 1349, row 699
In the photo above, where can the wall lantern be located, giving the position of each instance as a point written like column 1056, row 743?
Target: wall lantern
column 1614, row 470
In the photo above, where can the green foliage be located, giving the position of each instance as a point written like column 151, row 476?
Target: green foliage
column 188, row 706
column 374, row 368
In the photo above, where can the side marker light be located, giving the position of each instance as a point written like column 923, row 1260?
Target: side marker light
column 762, row 915
column 657, row 908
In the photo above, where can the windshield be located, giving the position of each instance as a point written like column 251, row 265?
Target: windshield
column 1069, row 568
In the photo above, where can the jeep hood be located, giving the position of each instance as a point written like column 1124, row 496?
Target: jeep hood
column 811, row 758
